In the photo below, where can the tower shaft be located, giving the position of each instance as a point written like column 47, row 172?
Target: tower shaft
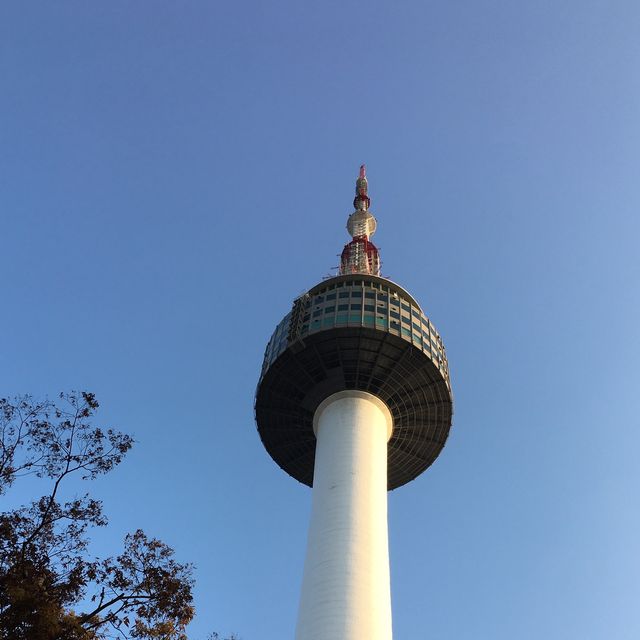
column 346, row 588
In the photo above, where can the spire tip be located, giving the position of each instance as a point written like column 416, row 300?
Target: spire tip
column 361, row 202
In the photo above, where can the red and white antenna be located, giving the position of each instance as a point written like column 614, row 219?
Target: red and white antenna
column 361, row 255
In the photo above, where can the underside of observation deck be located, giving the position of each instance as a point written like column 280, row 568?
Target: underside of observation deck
column 354, row 358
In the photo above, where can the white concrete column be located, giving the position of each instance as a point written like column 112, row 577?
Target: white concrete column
column 346, row 593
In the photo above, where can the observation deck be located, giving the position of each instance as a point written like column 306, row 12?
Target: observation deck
column 361, row 332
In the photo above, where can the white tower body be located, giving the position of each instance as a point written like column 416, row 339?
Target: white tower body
column 346, row 587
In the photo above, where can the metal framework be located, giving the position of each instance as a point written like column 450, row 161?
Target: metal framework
column 361, row 255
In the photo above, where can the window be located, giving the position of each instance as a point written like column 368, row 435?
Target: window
column 369, row 307
column 356, row 307
column 370, row 294
column 330, row 309
column 344, row 294
column 393, row 314
column 331, row 296
column 343, row 307
column 406, row 307
column 317, row 313
column 356, row 294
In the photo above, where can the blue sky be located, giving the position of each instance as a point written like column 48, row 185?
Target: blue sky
column 172, row 175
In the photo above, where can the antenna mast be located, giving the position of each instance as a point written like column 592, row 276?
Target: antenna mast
column 361, row 255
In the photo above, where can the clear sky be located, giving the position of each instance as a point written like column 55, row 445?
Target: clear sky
column 173, row 174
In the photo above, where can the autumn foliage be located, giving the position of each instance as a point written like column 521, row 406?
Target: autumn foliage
column 50, row 588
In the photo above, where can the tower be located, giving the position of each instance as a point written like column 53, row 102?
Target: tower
column 354, row 399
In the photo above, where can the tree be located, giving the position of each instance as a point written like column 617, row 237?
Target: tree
column 49, row 588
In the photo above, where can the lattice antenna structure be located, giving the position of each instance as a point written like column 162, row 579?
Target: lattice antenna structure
column 361, row 255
